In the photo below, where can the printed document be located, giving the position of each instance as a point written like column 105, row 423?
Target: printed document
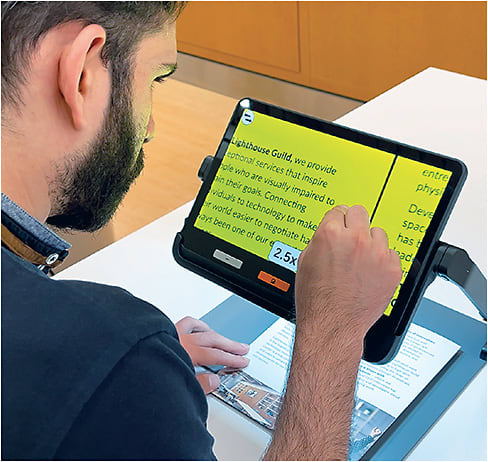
column 383, row 392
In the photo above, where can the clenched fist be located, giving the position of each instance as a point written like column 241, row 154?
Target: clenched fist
column 347, row 274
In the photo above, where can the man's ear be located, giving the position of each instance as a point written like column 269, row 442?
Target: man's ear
column 78, row 65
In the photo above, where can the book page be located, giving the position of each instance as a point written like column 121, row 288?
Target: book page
column 383, row 392
column 270, row 354
column 395, row 385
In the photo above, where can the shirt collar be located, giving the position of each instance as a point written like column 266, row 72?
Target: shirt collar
column 29, row 238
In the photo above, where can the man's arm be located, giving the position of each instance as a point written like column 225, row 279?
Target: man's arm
column 150, row 407
column 345, row 279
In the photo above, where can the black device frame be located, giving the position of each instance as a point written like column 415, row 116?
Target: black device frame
column 193, row 248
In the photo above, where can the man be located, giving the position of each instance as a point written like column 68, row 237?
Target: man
column 89, row 371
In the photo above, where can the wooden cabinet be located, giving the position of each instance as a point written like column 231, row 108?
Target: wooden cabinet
column 355, row 49
column 361, row 49
column 260, row 36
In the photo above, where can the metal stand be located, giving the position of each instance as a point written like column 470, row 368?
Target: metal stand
column 454, row 265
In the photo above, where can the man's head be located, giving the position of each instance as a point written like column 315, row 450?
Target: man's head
column 76, row 102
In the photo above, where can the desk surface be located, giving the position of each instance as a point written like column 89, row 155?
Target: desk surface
column 436, row 110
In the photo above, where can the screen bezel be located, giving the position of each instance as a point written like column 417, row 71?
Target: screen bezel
column 196, row 245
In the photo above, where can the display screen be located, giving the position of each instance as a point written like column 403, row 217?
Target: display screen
column 277, row 180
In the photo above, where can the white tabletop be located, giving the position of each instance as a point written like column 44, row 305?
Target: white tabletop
column 436, row 110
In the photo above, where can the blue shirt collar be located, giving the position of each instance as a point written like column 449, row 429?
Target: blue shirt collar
column 31, row 231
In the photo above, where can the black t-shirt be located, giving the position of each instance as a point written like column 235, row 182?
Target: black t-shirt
column 91, row 372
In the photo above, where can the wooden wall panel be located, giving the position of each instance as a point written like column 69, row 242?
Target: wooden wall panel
column 261, row 36
column 360, row 49
column 355, row 49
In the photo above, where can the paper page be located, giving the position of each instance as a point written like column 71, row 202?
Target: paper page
column 270, row 354
column 393, row 386
column 382, row 392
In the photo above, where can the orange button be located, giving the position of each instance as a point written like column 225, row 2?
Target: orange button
column 274, row 281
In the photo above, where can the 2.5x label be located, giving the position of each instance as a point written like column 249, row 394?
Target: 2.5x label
column 284, row 255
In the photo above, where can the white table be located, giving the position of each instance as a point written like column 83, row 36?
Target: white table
column 437, row 110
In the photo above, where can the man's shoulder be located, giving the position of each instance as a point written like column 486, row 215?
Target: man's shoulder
column 78, row 318
column 60, row 341
column 29, row 297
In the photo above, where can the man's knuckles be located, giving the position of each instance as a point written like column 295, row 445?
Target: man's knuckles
column 357, row 217
column 362, row 242
column 358, row 209
column 396, row 273
column 329, row 232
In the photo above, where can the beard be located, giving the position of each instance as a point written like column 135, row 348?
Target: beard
column 89, row 189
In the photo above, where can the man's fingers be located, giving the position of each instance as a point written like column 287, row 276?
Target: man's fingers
column 213, row 340
column 216, row 357
column 336, row 214
column 395, row 258
column 187, row 325
column 357, row 218
column 208, row 381
column 379, row 236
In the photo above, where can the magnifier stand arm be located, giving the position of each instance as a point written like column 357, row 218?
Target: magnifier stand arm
column 453, row 264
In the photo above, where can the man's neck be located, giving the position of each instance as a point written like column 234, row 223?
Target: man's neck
column 25, row 183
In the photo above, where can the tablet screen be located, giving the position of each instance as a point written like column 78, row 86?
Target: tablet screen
column 278, row 179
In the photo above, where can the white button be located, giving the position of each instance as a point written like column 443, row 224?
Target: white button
column 232, row 261
column 248, row 117
column 52, row 258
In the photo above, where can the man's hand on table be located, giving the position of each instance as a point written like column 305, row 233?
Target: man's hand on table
column 207, row 348
column 346, row 277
